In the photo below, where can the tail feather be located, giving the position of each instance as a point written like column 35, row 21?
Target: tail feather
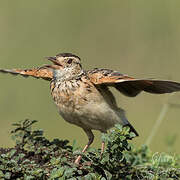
column 43, row 72
column 132, row 129
column 125, row 121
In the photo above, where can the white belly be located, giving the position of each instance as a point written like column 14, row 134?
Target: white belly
column 82, row 104
column 97, row 116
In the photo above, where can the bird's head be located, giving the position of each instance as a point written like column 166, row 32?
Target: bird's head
column 65, row 65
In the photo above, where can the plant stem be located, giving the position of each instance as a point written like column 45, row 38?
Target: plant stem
column 158, row 122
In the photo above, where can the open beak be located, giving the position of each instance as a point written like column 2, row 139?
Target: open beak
column 51, row 58
column 54, row 60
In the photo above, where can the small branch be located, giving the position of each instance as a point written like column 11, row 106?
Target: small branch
column 157, row 124
column 158, row 121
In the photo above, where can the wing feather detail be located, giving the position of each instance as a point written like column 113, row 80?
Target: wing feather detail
column 130, row 86
column 42, row 72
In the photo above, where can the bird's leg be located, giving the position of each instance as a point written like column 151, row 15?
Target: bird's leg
column 102, row 147
column 91, row 138
column 103, row 143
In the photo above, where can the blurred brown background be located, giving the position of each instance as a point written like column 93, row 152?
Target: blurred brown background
column 139, row 38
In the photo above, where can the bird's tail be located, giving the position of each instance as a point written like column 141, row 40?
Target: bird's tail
column 42, row 72
column 125, row 121
column 132, row 129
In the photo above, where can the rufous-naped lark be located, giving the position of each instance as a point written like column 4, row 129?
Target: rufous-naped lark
column 83, row 97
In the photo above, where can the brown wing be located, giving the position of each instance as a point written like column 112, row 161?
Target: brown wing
column 42, row 72
column 130, row 86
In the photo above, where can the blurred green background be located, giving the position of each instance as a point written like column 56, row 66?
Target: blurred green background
column 139, row 38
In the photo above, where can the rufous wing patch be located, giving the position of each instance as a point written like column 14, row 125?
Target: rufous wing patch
column 106, row 76
column 130, row 86
column 42, row 72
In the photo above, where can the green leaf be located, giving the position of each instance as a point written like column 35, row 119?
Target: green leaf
column 1, row 174
column 56, row 173
column 12, row 152
column 7, row 175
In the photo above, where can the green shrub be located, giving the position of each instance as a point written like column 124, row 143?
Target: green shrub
column 36, row 158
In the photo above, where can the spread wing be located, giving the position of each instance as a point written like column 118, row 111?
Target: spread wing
column 130, row 86
column 42, row 72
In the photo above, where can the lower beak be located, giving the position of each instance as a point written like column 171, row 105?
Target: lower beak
column 53, row 59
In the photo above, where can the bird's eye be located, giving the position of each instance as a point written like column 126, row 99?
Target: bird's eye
column 69, row 61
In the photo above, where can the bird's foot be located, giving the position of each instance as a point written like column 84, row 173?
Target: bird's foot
column 78, row 159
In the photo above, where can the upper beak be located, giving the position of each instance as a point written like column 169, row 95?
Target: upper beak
column 53, row 59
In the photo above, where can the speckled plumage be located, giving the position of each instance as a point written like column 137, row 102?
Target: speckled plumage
column 79, row 102
column 83, row 97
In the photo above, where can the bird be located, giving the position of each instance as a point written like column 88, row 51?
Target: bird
column 83, row 97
